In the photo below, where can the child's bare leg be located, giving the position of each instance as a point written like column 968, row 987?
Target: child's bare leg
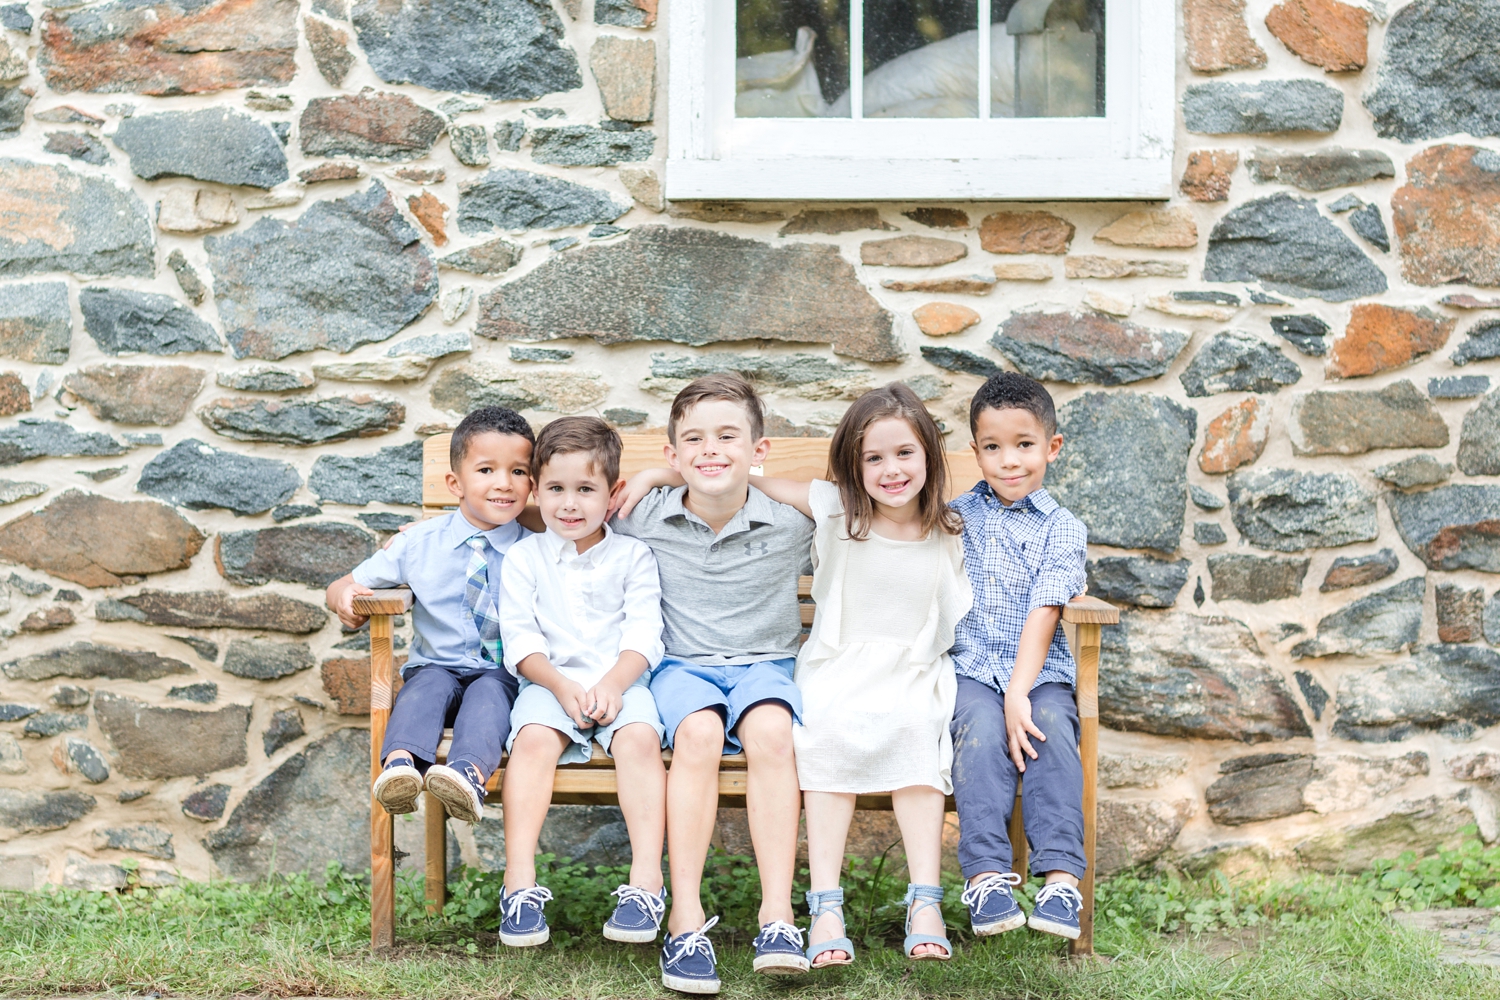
column 828, row 818
column 919, row 812
column 637, row 752
column 773, row 803
column 692, row 808
column 525, row 794
column 398, row 755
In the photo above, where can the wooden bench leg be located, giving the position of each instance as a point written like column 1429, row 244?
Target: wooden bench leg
column 436, row 853
column 382, row 827
column 1088, row 750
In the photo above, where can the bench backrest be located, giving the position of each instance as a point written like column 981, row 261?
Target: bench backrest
column 790, row 458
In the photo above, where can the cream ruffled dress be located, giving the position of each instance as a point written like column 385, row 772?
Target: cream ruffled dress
column 876, row 680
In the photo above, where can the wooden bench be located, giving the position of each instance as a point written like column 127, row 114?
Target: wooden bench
column 593, row 783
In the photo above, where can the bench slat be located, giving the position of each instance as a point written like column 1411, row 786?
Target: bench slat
column 384, row 602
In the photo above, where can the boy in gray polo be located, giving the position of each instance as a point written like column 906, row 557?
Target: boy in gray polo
column 729, row 558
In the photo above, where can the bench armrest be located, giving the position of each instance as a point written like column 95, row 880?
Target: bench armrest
column 384, row 602
column 1090, row 611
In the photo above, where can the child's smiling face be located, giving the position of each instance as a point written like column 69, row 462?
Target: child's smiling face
column 573, row 496
column 892, row 463
column 715, row 450
column 493, row 480
column 1014, row 450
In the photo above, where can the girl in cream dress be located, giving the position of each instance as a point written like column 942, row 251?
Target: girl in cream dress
column 877, row 684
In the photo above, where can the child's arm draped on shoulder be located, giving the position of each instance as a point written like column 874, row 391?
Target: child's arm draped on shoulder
column 641, row 647
column 792, row 492
column 638, row 485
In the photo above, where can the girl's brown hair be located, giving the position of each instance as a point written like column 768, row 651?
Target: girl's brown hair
column 846, row 452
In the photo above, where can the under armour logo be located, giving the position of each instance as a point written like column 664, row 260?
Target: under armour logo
column 758, row 548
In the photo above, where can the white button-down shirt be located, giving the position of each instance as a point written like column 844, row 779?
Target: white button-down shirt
column 580, row 611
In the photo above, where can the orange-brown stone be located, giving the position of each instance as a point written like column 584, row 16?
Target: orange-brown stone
column 911, row 251
column 1235, row 437
column 1025, row 232
column 99, row 542
column 170, row 47
column 346, row 680
column 1324, row 33
column 331, row 171
column 1218, row 38
column 942, row 319
column 1379, row 338
column 1152, row 227
column 48, row 620
column 1447, row 217
column 430, row 213
column 1207, row 176
column 14, row 396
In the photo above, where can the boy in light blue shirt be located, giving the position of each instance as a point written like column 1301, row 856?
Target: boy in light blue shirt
column 454, row 675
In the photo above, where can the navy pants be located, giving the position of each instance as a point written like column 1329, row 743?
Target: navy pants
column 984, row 781
column 476, row 703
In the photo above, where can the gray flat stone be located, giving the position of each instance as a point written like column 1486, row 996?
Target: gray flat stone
column 78, row 146
column 590, row 146
column 807, row 375
column 13, row 102
column 1144, row 581
column 152, row 841
column 1288, row 510
column 1419, row 470
column 1482, row 343
column 286, row 727
column 33, row 438
column 1256, row 579
column 1289, row 246
column 1182, row 675
column 1205, row 499
column 153, row 742
column 1261, row 787
column 84, row 758
column 508, row 50
column 315, row 554
column 125, row 322
column 86, row 660
column 261, row 612
column 1086, row 347
column 205, row 693
column 955, row 359
column 348, row 272
column 470, row 144
column 1209, row 533
column 1370, row 226
column 79, row 223
column 1233, row 361
column 35, row 322
column 1479, row 441
column 508, row 135
column 1357, row 571
column 1318, row 169
column 433, row 345
column 199, row 476
column 696, row 287
column 1458, row 386
column 38, row 812
column 391, row 475
column 1263, row 107
column 266, row 378
column 267, row 659
column 302, row 421
column 490, row 258
column 206, row 804
column 1444, row 687
column 514, row 200
column 1308, row 334
column 1450, row 527
column 214, row 144
column 1126, row 444
column 1419, row 95
column 1352, row 422
column 1386, row 621
column 48, row 724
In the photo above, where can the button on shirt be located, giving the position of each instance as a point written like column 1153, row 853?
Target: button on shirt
column 1019, row 558
column 731, row 597
column 580, row 611
column 432, row 557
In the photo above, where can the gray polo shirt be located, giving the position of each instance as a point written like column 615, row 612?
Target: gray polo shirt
column 732, row 597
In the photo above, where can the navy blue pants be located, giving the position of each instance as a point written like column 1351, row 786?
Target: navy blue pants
column 984, row 781
column 476, row 703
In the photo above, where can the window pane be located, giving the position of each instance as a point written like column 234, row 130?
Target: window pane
column 1050, row 61
column 792, row 58
column 921, row 59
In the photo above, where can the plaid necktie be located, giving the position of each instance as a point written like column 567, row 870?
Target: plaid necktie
column 480, row 602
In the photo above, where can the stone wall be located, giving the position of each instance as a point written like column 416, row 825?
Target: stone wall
column 251, row 251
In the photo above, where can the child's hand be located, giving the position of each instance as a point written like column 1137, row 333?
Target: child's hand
column 1019, row 727
column 344, row 606
column 576, row 702
column 636, row 488
column 607, row 702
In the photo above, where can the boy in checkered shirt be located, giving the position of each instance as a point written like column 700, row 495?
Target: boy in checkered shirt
column 1016, row 712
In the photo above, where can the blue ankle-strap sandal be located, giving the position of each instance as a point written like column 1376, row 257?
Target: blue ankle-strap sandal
column 819, row 903
column 924, row 896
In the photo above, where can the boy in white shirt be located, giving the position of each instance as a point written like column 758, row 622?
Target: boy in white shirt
column 580, row 624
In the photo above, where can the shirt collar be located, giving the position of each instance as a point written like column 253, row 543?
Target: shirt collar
column 460, row 531
column 758, row 509
column 1038, row 499
column 560, row 549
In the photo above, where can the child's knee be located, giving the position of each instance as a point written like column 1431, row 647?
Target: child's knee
column 535, row 739
column 636, row 741
column 1054, row 720
column 767, row 729
column 701, row 733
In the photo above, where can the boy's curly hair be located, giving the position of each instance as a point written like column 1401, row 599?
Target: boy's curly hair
column 500, row 419
column 1014, row 391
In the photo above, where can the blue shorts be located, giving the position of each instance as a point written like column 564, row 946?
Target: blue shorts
column 683, row 687
column 536, row 706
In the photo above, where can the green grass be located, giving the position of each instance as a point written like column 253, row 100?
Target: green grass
column 1308, row 939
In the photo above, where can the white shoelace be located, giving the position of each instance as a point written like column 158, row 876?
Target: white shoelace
column 534, row 896
column 697, row 942
column 1073, row 897
column 653, row 905
column 979, row 893
column 781, row 929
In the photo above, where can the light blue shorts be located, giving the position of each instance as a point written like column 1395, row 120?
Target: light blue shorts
column 535, row 705
column 683, row 687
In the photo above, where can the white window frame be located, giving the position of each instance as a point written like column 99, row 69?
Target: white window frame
column 1127, row 154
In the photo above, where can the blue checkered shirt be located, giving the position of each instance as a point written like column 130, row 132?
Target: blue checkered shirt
column 1019, row 558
